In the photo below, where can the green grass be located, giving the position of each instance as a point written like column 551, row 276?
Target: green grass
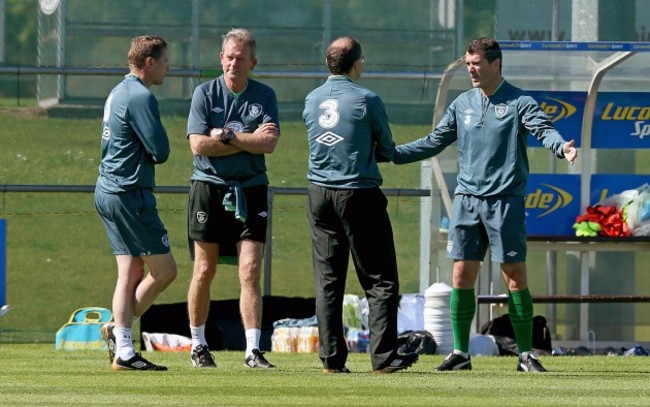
column 38, row 375
column 58, row 257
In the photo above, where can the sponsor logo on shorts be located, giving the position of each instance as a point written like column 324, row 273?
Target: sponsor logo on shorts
column 263, row 214
column 511, row 254
column 201, row 217
column 450, row 246
column 165, row 240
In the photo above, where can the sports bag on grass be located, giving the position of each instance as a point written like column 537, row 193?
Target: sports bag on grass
column 82, row 332
column 504, row 334
column 420, row 342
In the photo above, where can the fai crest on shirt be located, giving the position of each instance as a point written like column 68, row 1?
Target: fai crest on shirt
column 255, row 110
column 500, row 110
column 201, row 217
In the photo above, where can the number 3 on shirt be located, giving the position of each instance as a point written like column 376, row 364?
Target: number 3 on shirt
column 330, row 116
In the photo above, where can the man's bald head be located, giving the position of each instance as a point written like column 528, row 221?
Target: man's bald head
column 341, row 55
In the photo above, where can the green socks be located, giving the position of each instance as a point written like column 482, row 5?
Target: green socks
column 520, row 306
column 462, row 305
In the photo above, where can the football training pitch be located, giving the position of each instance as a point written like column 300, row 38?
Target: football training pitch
column 38, row 375
column 58, row 261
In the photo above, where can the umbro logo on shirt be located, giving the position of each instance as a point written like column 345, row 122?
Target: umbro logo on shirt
column 329, row 139
column 217, row 109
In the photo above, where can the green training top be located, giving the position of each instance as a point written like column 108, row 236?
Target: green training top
column 492, row 134
column 133, row 138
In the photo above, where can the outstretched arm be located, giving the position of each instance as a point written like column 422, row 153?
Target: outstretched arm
column 430, row 145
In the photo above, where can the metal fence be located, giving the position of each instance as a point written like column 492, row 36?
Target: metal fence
column 80, row 45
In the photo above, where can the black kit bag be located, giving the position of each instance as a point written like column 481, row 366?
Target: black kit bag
column 420, row 342
column 504, row 335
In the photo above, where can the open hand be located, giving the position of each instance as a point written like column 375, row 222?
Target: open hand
column 570, row 152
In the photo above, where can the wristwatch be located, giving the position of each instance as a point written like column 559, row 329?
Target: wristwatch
column 225, row 135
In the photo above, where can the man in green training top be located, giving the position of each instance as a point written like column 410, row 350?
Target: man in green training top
column 348, row 134
column 233, row 123
column 134, row 141
column 491, row 123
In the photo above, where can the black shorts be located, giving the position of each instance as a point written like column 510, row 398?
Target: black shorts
column 209, row 222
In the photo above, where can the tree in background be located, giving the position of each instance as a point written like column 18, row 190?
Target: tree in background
column 20, row 46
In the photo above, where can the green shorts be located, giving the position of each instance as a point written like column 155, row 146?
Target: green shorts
column 480, row 222
column 132, row 223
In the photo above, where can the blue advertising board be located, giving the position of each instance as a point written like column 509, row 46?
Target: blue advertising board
column 605, row 185
column 621, row 119
column 552, row 204
column 570, row 46
column 553, row 200
column 565, row 109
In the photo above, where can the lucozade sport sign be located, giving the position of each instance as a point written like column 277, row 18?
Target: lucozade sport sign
column 621, row 119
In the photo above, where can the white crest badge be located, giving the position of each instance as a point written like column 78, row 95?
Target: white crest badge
column 500, row 110
column 201, row 217
column 255, row 110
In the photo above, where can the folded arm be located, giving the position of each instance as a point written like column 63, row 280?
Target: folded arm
column 262, row 141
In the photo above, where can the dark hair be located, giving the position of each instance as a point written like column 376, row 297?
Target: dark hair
column 144, row 47
column 341, row 55
column 489, row 46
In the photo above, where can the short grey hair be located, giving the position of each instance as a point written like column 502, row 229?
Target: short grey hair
column 240, row 36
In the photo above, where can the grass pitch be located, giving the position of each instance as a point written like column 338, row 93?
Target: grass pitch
column 58, row 256
column 33, row 375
